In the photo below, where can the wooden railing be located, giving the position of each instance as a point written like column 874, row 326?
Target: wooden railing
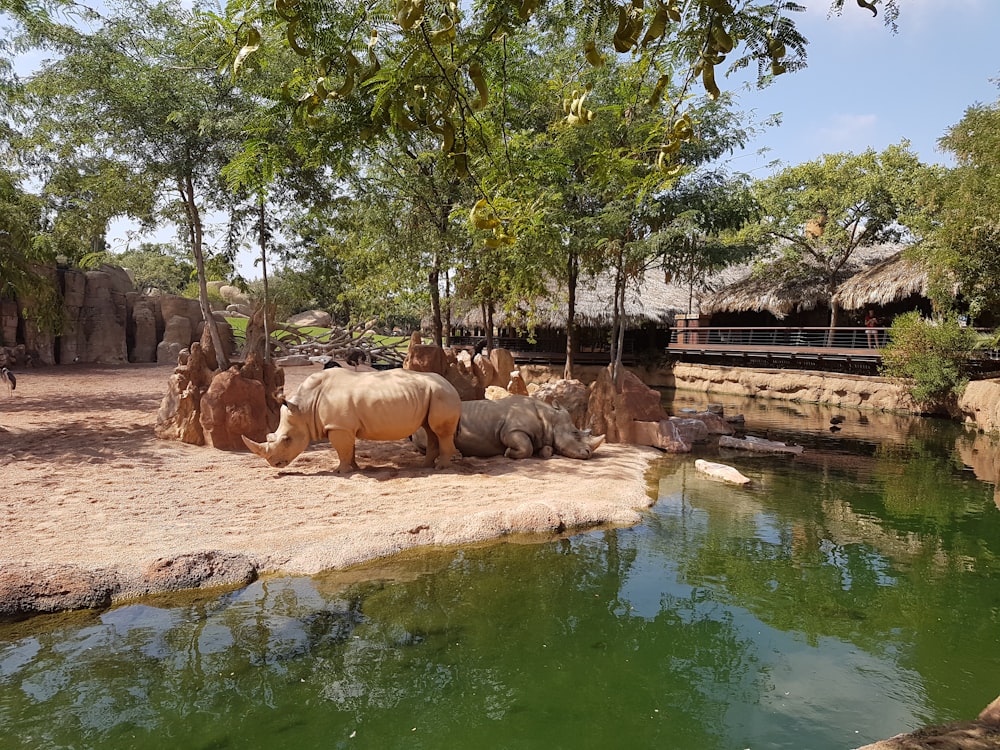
column 855, row 350
column 784, row 337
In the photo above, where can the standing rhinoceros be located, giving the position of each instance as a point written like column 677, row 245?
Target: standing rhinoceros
column 342, row 405
column 518, row 427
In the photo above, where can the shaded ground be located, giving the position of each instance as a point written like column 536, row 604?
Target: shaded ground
column 86, row 482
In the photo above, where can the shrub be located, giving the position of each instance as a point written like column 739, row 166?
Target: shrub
column 931, row 355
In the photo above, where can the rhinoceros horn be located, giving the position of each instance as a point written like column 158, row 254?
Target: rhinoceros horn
column 261, row 449
column 594, row 441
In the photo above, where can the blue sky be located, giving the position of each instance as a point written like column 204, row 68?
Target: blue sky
column 866, row 87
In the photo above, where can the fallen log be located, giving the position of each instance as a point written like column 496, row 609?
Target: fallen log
column 758, row 445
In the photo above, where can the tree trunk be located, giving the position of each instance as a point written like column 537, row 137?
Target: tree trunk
column 618, row 325
column 447, row 307
column 572, row 275
column 267, row 300
column 194, row 218
column 432, row 281
column 834, row 316
column 488, row 320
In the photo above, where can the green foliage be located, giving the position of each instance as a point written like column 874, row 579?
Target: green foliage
column 152, row 266
column 818, row 214
column 930, row 355
column 239, row 329
column 965, row 238
column 21, row 257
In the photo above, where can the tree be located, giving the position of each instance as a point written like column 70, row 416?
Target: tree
column 931, row 357
column 817, row 215
column 152, row 266
column 21, row 260
column 695, row 226
column 142, row 95
column 965, row 236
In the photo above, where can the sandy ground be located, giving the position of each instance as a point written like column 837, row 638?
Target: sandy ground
column 86, row 482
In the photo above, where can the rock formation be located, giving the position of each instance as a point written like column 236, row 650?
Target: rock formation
column 104, row 321
column 632, row 413
column 27, row 590
column 205, row 406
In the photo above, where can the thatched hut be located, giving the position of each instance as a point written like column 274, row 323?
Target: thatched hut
column 898, row 284
column 540, row 329
column 764, row 299
column 771, row 295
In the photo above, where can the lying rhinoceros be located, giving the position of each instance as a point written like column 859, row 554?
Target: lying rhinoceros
column 519, row 427
column 343, row 405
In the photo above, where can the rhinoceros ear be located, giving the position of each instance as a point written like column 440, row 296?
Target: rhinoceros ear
column 258, row 448
column 557, row 406
column 291, row 406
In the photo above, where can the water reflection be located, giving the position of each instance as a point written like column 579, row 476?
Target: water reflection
column 845, row 595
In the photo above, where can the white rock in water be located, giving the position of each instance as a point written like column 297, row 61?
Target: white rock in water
column 720, row 471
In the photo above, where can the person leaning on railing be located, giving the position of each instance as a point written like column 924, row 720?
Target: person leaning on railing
column 871, row 326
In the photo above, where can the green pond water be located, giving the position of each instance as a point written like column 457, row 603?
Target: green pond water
column 844, row 596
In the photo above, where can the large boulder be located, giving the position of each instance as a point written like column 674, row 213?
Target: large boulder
column 27, row 590
column 715, row 424
column 662, row 434
column 103, row 318
column 143, row 331
column 503, row 365
column 464, row 382
column 236, row 299
column 483, row 370
column 195, row 570
column 231, row 407
column 691, row 430
column 611, row 410
column 72, row 342
column 176, row 336
column 8, row 322
column 572, row 395
column 317, row 318
column 426, row 358
column 721, row 471
column 172, row 305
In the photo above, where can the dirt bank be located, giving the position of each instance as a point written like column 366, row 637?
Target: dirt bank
column 87, row 484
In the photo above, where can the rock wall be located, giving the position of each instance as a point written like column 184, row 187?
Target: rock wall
column 789, row 385
column 105, row 321
column 980, row 404
column 809, row 386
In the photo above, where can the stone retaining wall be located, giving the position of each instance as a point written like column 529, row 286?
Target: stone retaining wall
column 979, row 405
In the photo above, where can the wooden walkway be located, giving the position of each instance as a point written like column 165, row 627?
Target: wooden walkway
column 856, row 351
column 851, row 350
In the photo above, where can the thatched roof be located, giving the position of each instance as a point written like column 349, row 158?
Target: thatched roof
column 895, row 278
column 764, row 292
column 653, row 300
column 771, row 289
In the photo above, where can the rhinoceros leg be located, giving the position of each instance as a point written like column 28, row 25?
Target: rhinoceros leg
column 432, row 447
column 440, row 427
column 519, row 444
column 343, row 442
